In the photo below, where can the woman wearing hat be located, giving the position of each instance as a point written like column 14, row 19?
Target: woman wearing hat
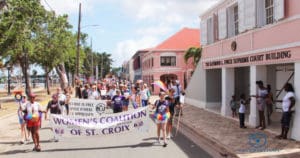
column 33, row 110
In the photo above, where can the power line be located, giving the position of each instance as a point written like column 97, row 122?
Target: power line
column 48, row 5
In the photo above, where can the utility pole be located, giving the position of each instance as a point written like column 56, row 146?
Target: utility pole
column 92, row 59
column 78, row 42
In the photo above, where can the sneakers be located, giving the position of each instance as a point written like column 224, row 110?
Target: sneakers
column 165, row 145
column 157, row 142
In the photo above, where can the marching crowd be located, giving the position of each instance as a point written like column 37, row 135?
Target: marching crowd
column 119, row 96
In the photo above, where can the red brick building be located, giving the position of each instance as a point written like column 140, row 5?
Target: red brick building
column 166, row 61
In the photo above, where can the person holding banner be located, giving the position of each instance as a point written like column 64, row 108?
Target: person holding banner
column 95, row 95
column 161, row 116
column 55, row 108
column 127, row 98
column 117, row 102
column 133, row 97
column 33, row 111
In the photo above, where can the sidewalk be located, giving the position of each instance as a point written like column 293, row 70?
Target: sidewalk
column 224, row 135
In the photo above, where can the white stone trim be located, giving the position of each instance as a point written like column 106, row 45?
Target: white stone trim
column 167, row 54
column 194, row 102
column 284, row 46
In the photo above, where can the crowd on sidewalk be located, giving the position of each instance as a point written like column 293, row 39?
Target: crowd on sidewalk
column 265, row 101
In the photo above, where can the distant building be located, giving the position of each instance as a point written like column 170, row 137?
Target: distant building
column 165, row 62
column 244, row 41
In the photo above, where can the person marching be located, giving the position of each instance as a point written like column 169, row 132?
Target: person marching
column 117, row 101
column 127, row 98
column 55, row 108
column 161, row 111
column 21, row 115
column 144, row 95
column 171, row 103
column 67, row 93
column 33, row 120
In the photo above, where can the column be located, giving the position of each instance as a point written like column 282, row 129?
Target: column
column 256, row 73
column 227, row 90
column 295, row 131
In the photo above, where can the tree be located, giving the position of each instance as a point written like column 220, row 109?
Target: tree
column 56, row 42
column 193, row 52
column 20, row 23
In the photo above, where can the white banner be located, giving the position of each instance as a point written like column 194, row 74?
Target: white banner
column 86, row 107
column 106, row 124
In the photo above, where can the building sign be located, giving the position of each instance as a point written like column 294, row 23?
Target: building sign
column 248, row 60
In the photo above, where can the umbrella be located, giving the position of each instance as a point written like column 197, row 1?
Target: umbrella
column 160, row 84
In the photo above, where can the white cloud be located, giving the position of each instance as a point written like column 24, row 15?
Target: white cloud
column 157, row 19
column 127, row 48
column 70, row 7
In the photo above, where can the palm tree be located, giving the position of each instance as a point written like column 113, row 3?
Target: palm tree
column 193, row 52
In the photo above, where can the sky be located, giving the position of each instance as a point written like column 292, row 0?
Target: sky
column 125, row 26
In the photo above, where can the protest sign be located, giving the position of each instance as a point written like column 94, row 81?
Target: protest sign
column 87, row 107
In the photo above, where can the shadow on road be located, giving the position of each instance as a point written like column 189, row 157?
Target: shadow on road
column 186, row 145
column 140, row 145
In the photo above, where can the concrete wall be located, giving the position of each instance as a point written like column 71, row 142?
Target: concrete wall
column 214, row 85
column 196, row 89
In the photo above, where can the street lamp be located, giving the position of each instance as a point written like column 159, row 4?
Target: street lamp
column 8, row 79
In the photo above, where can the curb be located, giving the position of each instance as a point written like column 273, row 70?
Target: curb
column 207, row 143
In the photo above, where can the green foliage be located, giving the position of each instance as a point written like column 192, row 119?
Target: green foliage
column 193, row 52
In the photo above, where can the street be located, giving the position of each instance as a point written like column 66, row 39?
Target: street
column 134, row 144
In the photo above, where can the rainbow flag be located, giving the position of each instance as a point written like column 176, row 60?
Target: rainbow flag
column 160, row 84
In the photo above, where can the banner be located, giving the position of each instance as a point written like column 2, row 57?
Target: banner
column 86, row 107
column 106, row 124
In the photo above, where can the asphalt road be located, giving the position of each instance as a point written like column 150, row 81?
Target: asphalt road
column 134, row 144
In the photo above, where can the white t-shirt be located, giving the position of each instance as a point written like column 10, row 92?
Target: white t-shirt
column 181, row 99
column 33, row 108
column 242, row 108
column 61, row 97
column 144, row 95
column 286, row 102
column 94, row 95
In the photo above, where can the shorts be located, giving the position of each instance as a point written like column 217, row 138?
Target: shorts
column 286, row 119
column 177, row 100
column 233, row 109
column 34, row 123
column 21, row 121
column 161, row 121
column 117, row 110
column 170, row 120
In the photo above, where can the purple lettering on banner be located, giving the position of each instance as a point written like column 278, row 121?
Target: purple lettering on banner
column 75, row 132
column 118, row 129
column 110, row 130
column 103, row 131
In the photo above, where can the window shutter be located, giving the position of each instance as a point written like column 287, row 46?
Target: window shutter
column 215, row 27
column 249, row 14
column 261, row 13
column 241, row 13
column 222, row 19
column 203, row 32
column 230, row 24
column 278, row 9
column 210, row 30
